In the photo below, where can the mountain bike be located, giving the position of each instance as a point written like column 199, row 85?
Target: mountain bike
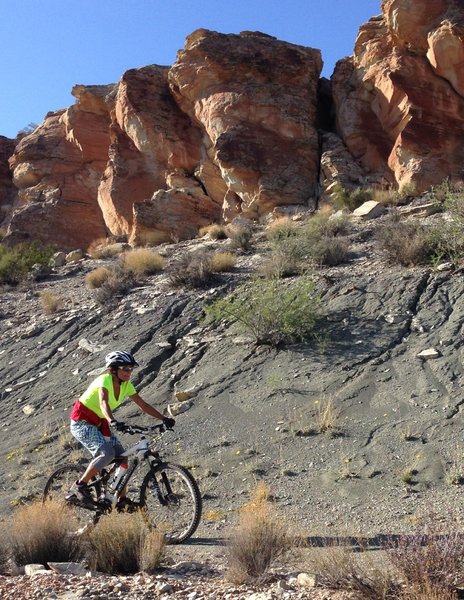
column 167, row 493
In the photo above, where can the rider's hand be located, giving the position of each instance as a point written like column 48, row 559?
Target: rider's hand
column 168, row 422
column 118, row 425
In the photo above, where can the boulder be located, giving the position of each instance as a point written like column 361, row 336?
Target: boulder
column 258, row 116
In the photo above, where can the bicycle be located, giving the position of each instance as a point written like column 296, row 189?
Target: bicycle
column 168, row 493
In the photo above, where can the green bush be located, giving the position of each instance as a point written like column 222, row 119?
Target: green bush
column 16, row 261
column 414, row 243
column 343, row 199
column 322, row 241
column 273, row 311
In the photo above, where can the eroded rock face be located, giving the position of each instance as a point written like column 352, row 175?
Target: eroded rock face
column 256, row 99
column 399, row 101
column 56, row 189
column 8, row 191
column 150, row 137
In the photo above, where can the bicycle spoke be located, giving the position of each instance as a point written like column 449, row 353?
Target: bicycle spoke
column 58, row 488
column 172, row 501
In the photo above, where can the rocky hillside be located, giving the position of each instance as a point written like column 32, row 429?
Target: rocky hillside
column 386, row 371
column 242, row 126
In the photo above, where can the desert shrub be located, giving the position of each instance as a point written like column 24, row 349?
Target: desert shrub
column 96, row 278
column 407, row 242
column 261, row 537
column 284, row 260
column 192, row 270
column 282, row 229
column 450, row 235
column 17, row 261
column 338, row 567
column 330, row 251
column 44, row 532
column 429, row 559
column 215, row 231
column 153, row 551
column 385, row 197
column 117, row 543
column 240, row 237
column 223, row 262
column 343, row 199
column 118, row 283
column 408, row 190
column 321, row 241
column 143, row 261
column 50, row 302
column 273, row 311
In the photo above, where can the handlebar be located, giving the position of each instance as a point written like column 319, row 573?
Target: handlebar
column 134, row 429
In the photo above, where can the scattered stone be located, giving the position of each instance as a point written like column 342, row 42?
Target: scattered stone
column 58, row 260
column 369, row 210
column 34, row 568
column 91, row 347
column 306, row 580
column 74, row 256
column 179, row 407
column 28, row 409
column 429, row 354
column 68, row 568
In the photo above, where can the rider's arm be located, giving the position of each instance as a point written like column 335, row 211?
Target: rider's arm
column 104, row 404
column 147, row 408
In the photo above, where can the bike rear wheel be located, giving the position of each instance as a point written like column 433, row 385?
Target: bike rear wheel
column 171, row 497
column 58, row 489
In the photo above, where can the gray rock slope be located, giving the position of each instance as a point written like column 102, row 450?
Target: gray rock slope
column 392, row 453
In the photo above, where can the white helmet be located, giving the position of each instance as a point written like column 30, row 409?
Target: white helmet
column 120, row 358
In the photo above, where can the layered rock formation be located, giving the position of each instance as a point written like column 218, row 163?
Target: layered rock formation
column 241, row 125
column 399, row 100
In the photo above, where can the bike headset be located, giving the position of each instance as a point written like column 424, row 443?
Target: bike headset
column 120, row 358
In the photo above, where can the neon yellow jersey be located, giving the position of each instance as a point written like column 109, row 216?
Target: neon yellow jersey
column 90, row 397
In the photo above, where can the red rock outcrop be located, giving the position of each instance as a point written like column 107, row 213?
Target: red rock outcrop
column 57, row 169
column 150, row 137
column 256, row 99
column 8, row 191
column 231, row 129
column 399, row 101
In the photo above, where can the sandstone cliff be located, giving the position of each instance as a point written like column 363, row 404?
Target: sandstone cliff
column 240, row 125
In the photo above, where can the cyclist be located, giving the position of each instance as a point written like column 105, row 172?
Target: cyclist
column 92, row 417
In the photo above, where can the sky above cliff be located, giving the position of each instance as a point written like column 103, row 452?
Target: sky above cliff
column 49, row 46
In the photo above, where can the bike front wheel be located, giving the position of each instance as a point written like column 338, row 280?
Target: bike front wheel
column 171, row 498
column 58, row 489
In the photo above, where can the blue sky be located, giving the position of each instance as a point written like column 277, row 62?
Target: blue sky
column 51, row 45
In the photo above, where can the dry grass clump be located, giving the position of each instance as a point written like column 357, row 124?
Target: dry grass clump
column 96, row 278
column 240, row 237
column 338, row 567
column 117, row 284
column 281, row 229
column 222, row 262
column 261, row 537
column 192, row 270
column 328, row 418
column 50, row 302
column 143, row 261
column 153, row 551
column 426, row 565
column 430, row 560
column 407, row 242
column 42, row 532
column 123, row 543
column 215, row 231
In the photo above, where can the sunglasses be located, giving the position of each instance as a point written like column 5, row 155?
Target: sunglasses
column 126, row 369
